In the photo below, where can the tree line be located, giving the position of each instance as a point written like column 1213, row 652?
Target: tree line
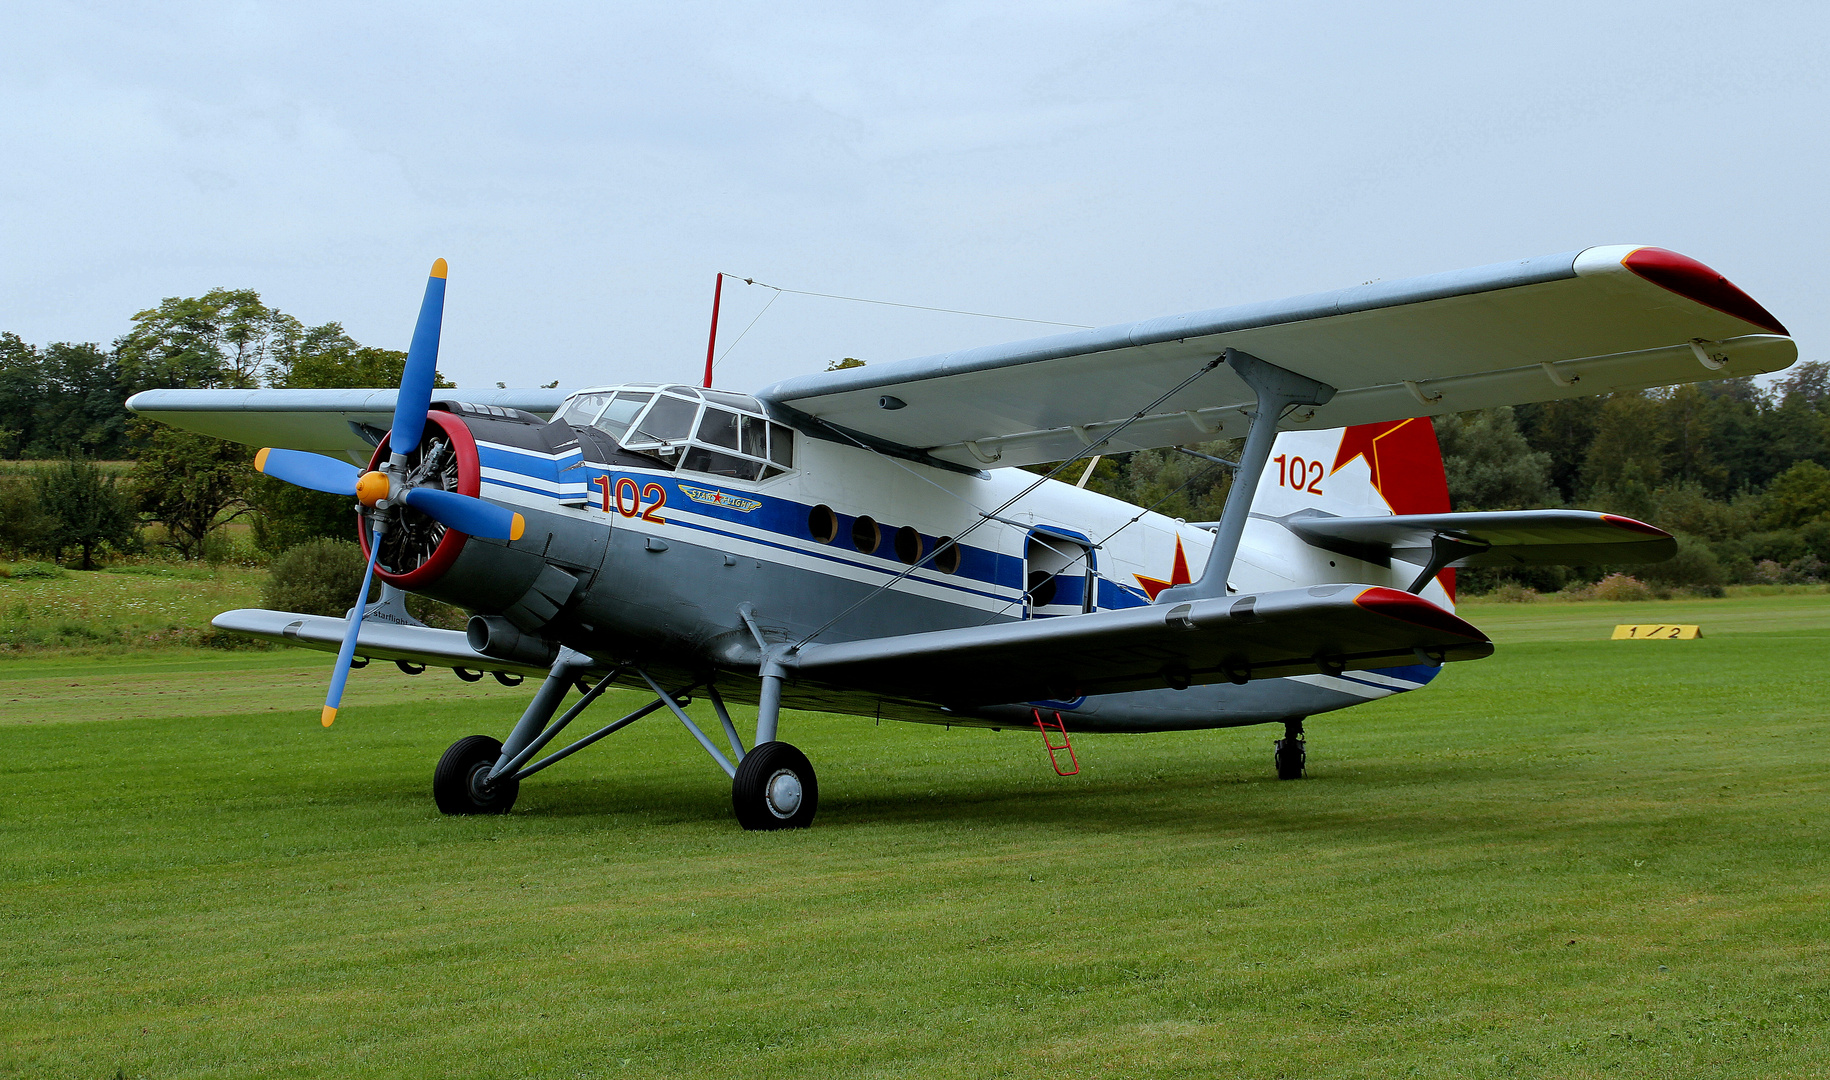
column 68, row 401
column 1739, row 471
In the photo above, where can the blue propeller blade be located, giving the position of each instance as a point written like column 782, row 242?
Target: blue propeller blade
column 314, row 471
column 467, row 513
column 340, row 674
column 415, row 395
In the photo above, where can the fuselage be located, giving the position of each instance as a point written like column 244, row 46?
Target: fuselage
column 657, row 553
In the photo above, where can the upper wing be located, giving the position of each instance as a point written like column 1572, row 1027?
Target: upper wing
column 1604, row 319
column 1266, row 635
column 325, row 421
column 1500, row 538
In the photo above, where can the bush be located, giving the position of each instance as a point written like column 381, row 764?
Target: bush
column 21, row 520
column 1619, row 588
column 25, row 571
column 1694, row 567
column 1511, row 592
column 318, row 577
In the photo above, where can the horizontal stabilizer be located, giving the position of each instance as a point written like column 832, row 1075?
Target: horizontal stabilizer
column 1500, row 538
column 1324, row 629
column 378, row 640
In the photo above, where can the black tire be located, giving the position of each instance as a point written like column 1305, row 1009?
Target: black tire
column 457, row 782
column 763, row 803
column 1289, row 756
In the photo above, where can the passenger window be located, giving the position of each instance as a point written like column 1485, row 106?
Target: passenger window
column 621, row 411
column 719, row 428
column 669, row 419
column 699, row 459
column 781, row 446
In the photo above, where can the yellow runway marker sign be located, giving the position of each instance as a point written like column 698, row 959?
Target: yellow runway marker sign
column 1657, row 631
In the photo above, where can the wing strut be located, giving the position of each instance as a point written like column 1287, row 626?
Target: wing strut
column 1277, row 389
column 1445, row 548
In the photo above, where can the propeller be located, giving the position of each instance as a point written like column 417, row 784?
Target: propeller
column 388, row 486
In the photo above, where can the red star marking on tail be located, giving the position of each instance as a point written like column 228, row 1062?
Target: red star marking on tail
column 1405, row 464
column 1178, row 574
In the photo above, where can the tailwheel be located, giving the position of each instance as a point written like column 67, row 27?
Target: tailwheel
column 774, row 788
column 460, row 783
column 1288, row 752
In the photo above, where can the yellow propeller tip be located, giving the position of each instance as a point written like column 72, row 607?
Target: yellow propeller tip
column 438, row 268
column 260, row 459
column 329, row 717
column 517, row 527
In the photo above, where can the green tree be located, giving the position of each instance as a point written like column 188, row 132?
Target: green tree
column 841, row 365
column 1490, row 465
column 1689, row 456
column 1799, row 496
column 1625, row 462
column 21, row 390
column 1564, row 430
column 82, row 509
column 81, row 403
column 190, row 483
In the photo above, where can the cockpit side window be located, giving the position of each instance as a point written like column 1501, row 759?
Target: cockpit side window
column 781, row 445
column 719, row 428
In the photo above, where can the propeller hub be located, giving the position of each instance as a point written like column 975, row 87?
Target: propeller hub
column 372, row 488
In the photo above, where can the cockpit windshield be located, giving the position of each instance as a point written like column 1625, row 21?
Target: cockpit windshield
column 708, row 431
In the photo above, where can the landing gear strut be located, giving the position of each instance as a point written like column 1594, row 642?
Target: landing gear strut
column 1288, row 753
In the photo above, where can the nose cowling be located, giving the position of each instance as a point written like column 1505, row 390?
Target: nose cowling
column 416, row 550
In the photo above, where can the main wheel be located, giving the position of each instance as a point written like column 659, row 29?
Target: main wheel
column 1289, row 756
column 458, row 783
column 775, row 788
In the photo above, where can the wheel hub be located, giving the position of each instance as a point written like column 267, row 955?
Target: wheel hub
column 783, row 794
column 481, row 790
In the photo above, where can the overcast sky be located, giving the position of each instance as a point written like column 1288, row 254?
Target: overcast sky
column 588, row 168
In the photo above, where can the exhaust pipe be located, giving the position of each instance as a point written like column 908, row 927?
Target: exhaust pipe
column 497, row 638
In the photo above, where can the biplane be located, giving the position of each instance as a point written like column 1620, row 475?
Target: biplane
column 866, row 541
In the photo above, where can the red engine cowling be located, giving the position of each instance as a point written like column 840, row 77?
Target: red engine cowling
column 416, row 550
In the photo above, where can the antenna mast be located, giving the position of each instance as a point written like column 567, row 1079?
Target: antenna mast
column 712, row 342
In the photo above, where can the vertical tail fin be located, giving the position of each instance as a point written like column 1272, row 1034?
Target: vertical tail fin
column 1369, row 470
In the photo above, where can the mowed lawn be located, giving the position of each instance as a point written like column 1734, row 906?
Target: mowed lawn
column 1577, row 858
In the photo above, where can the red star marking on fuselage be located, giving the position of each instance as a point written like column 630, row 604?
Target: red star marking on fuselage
column 1178, row 574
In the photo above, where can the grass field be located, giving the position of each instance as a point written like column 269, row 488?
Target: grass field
column 1577, row 858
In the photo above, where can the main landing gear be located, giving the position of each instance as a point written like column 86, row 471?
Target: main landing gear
column 772, row 785
column 1287, row 752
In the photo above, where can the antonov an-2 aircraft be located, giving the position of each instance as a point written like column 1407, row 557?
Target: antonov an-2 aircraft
column 858, row 541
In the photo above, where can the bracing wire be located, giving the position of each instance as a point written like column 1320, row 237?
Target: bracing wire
column 746, row 329
column 914, row 307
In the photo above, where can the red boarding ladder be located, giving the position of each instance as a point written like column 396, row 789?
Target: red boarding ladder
column 1048, row 740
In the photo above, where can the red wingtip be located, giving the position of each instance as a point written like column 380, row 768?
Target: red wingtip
column 1636, row 526
column 1694, row 281
column 1411, row 608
